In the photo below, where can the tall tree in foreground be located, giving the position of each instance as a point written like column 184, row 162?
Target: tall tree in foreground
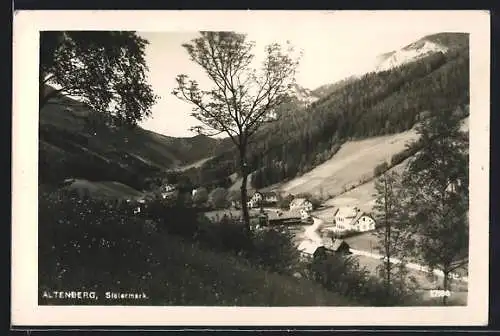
column 392, row 232
column 437, row 180
column 242, row 98
column 106, row 70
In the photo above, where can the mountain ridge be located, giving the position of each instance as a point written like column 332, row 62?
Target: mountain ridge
column 73, row 145
column 375, row 104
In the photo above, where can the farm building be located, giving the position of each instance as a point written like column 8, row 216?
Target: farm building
column 309, row 250
column 263, row 198
column 270, row 197
column 340, row 246
column 279, row 217
column 301, row 203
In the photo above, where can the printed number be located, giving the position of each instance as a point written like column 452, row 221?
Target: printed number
column 440, row 293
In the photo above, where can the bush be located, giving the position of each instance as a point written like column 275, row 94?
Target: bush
column 343, row 275
column 284, row 202
column 380, row 169
column 274, row 251
column 92, row 245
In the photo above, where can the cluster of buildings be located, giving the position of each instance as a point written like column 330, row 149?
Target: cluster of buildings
column 350, row 218
column 299, row 211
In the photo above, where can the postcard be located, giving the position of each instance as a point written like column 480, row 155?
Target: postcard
column 250, row 168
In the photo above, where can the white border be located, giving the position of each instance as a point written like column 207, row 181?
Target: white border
column 25, row 310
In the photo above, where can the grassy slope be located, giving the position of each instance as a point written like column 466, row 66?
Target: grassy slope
column 354, row 160
column 104, row 189
column 189, row 275
column 196, row 164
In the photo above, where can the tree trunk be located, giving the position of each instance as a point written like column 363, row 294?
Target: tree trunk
column 243, row 190
column 244, row 200
column 445, row 286
column 388, row 265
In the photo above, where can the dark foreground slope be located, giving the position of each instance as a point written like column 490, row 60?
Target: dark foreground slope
column 90, row 245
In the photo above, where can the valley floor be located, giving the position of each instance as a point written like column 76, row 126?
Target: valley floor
column 364, row 248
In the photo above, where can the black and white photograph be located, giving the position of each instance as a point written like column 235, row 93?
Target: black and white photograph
column 252, row 159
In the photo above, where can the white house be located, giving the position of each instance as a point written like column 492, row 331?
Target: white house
column 301, row 203
column 304, row 214
column 169, row 188
column 270, row 197
column 364, row 223
column 352, row 219
column 256, row 197
column 344, row 215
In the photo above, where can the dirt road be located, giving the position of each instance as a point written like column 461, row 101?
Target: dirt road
column 311, row 233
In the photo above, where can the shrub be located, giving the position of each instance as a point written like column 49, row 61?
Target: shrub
column 343, row 275
column 218, row 198
column 284, row 202
column 274, row 250
column 92, row 245
column 380, row 169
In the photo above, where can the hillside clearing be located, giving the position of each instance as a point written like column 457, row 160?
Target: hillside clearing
column 196, row 164
column 103, row 189
column 353, row 162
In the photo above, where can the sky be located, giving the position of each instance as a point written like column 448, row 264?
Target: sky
column 333, row 49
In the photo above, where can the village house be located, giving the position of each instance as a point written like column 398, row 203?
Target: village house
column 169, row 188
column 304, row 214
column 352, row 219
column 301, row 203
column 270, row 198
column 263, row 199
column 279, row 217
column 340, row 246
column 310, row 250
column 255, row 200
column 257, row 196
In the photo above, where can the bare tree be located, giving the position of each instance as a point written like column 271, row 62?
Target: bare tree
column 243, row 98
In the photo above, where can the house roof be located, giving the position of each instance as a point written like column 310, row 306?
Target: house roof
column 347, row 211
column 308, row 246
column 266, row 194
column 283, row 215
column 337, row 243
column 356, row 218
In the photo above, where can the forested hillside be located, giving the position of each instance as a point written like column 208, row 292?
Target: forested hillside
column 378, row 103
column 73, row 144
